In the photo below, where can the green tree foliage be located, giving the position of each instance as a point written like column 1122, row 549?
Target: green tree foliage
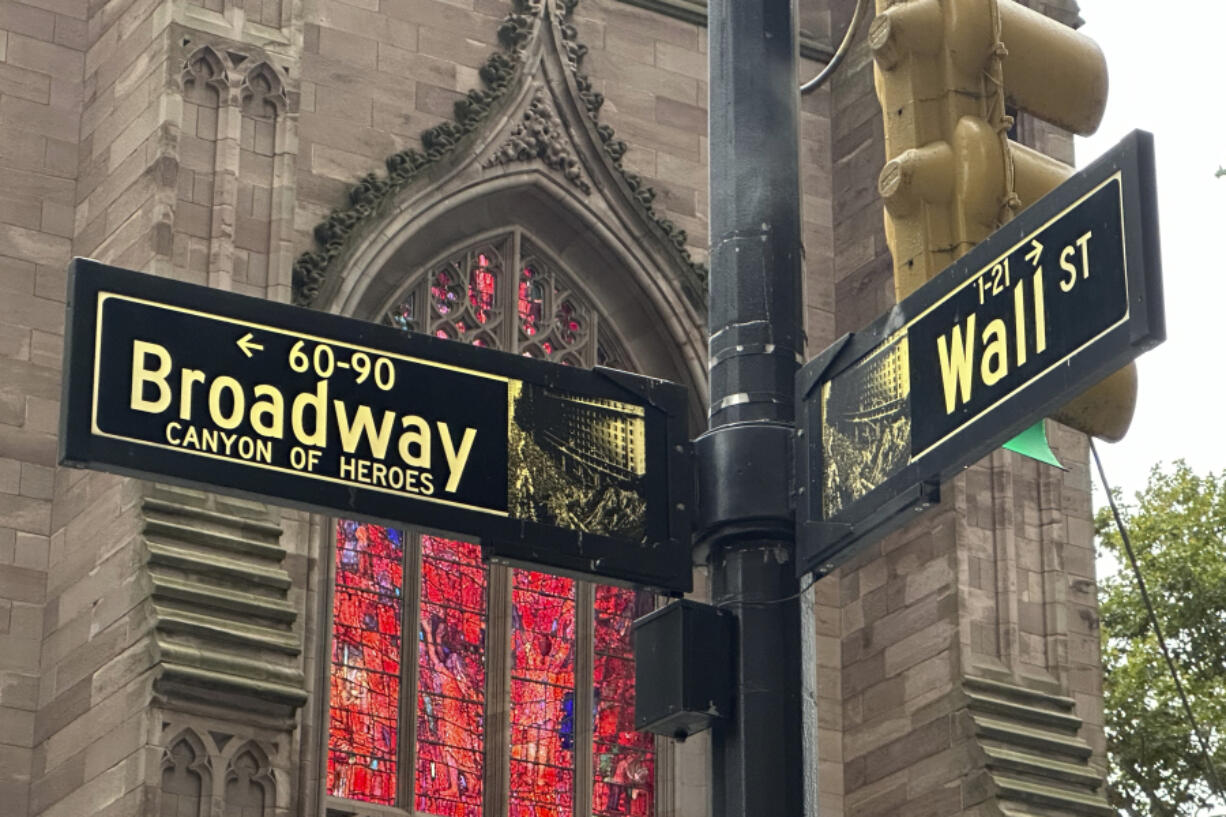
column 1178, row 531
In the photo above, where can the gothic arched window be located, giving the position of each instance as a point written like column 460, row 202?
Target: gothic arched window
column 518, row 698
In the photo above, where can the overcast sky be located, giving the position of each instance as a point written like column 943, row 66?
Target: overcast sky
column 1167, row 78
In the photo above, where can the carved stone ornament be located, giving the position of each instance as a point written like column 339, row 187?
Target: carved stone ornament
column 593, row 100
column 541, row 135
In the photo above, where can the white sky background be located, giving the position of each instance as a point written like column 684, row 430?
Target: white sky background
column 1168, row 76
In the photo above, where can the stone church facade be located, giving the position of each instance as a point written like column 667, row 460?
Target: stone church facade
column 169, row 651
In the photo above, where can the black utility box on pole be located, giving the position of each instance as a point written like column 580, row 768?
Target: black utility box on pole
column 682, row 669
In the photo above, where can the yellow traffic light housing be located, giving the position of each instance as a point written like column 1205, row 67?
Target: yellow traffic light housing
column 946, row 73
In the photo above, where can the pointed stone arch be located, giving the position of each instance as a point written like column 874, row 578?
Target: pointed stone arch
column 186, row 778
column 543, row 163
column 205, row 70
column 262, row 94
column 543, row 130
column 442, row 147
column 626, row 276
column 250, row 789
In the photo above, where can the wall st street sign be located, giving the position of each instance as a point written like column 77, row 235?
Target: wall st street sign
column 574, row 470
column 1060, row 297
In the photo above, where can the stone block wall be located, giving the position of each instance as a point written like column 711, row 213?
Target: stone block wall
column 42, row 51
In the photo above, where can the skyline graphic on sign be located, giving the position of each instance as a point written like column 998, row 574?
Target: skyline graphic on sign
column 866, row 430
column 577, row 463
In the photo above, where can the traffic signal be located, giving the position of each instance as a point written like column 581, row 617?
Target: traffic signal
column 947, row 73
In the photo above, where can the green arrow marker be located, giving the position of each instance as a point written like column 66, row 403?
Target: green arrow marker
column 1033, row 443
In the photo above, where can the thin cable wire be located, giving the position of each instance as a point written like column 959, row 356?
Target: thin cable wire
column 769, row 602
column 1153, row 620
column 839, row 55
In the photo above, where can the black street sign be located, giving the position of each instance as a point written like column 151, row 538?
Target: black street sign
column 573, row 470
column 1057, row 299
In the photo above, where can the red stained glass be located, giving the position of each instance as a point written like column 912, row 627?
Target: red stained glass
column 568, row 324
column 364, row 721
column 542, row 695
column 402, row 315
column 451, row 679
column 444, row 292
column 531, row 302
column 481, row 286
column 623, row 760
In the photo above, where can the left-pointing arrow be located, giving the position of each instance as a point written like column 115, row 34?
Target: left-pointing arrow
column 248, row 345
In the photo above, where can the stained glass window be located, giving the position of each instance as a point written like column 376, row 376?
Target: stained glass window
column 542, row 695
column 461, row 296
column 482, row 280
column 465, row 297
column 531, row 301
column 623, row 760
column 451, row 679
column 367, row 609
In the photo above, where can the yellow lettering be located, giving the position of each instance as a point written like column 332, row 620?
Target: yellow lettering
column 1084, row 243
column 378, row 473
column 419, row 437
column 187, row 378
column 318, row 401
column 226, row 383
column 348, row 470
column 1019, row 322
column 956, row 365
column 1040, row 314
column 1067, row 283
column 171, row 428
column 456, row 460
column 208, row 439
column 273, row 408
column 191, row 438
column 997, row 348
column 141, row 375
column 427, row 484
column 363, row 424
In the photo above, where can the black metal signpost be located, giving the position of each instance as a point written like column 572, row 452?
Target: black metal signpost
column 756, row 343
column 580, row 471
column 1062, row 296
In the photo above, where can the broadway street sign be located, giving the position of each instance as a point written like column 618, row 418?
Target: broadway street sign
column 580, row 471
column 1051, row 303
